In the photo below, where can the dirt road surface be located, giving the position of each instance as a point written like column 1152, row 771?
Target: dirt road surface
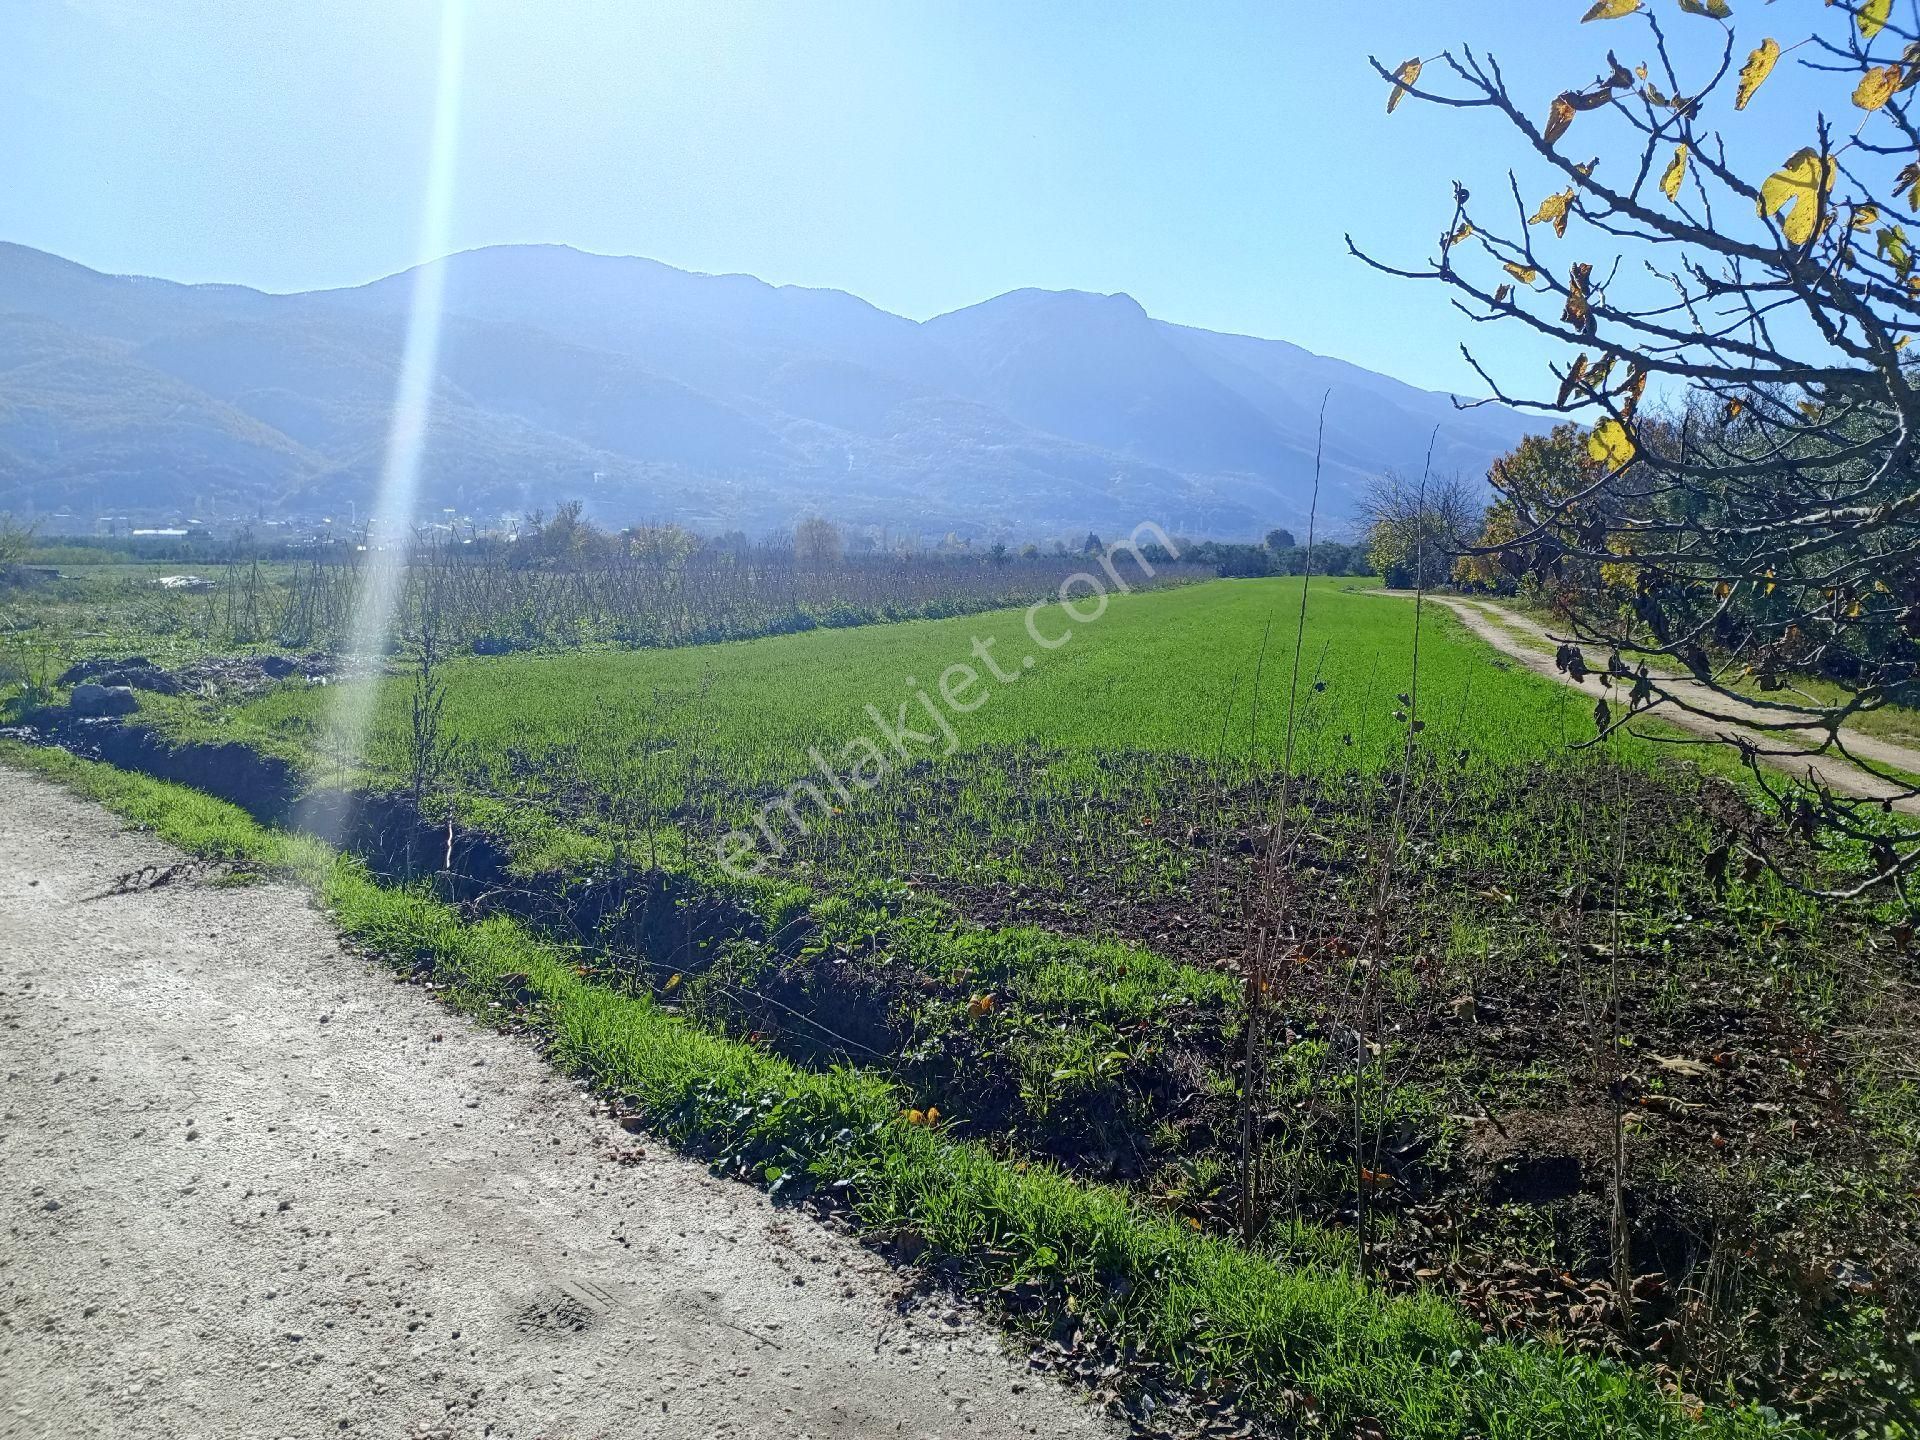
column 1517, row 636
column 253, row 1187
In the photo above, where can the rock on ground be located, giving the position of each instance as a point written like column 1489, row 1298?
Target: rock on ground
column 254, row 1187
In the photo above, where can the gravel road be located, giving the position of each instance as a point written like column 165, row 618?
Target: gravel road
column 254, row 1187
column 1523, row 640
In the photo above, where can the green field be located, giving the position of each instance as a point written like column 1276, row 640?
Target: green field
column 1488, row 952
column 1200, row 672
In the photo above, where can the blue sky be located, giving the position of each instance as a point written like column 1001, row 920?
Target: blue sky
column 1203, row 157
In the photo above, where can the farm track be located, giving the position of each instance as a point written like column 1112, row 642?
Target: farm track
column 1520, row 638
column 255, row 1188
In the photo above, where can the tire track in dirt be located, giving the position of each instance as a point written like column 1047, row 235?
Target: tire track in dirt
column 254, row 1187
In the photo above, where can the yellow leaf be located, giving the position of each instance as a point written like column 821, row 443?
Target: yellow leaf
column 1712, row 9
column 1559, row 116
column 933, row 1115
column 1676, row 171
column 1553, row 210
column 1901, row 343
column 1795, row 188
column 1873, row 15
column 1866, row 217
column 1876, row 87
column 1525, row 274
column 1891, row 242
column 1465, row 232
column 1734, row 407
column 673, row 982
column 914, row 1117
column 1759, row 65
column 1406, row 75
column 1609, row 444
column 1610, row 10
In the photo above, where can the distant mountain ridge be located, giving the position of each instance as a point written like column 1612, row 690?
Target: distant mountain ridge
column 718, row 401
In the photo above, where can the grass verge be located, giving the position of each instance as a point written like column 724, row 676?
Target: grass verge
column 1306, row 1342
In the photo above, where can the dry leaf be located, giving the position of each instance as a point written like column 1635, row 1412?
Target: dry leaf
column 1876, row 87
column 1576, row 312
column 1406, row 75
column 1630, row 394
column 1500, row 295
column 1712, row 9
column 1909, row 180
column 1525, row 274
column 1610, row 10
column 1553, row 210
column 1680, row 1065
column 1676, row 171
column 1576, row 373
column 1759, row 65
column 1559, row 117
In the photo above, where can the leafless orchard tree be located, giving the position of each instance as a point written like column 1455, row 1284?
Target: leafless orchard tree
column 1415, row 528
column 1763, row 521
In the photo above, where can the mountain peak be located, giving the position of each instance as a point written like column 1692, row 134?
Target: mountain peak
column 1062, row 306
column 715, row 400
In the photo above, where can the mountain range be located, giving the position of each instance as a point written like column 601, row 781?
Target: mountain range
column 717, row 401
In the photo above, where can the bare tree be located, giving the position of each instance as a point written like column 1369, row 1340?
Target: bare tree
column 1767, row 522
column 817, row 543
column 1415, row 528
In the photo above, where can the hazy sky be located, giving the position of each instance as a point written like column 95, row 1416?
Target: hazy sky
column 1204, row 157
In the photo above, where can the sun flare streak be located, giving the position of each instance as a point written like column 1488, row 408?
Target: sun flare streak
column 390, row 535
